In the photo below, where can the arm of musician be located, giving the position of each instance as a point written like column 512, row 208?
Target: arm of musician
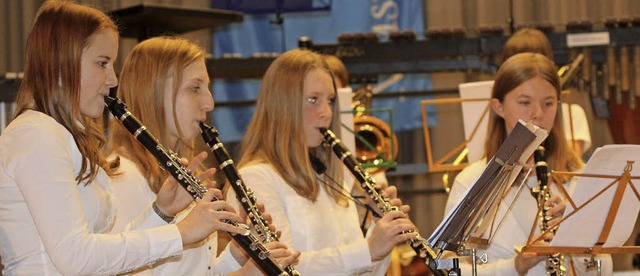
column 330, row 241
column 132, row 199
column 44, row 175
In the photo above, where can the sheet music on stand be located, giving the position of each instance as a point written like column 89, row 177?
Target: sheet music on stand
column 583, row 228
column 467, row 216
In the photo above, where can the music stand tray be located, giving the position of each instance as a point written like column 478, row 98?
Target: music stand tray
column 147, row 19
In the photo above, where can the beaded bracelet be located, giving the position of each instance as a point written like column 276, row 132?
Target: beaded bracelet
column 162, row 215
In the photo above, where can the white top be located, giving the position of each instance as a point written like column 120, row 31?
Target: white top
column 514, row 230
column 133, row 195
column 328, row 235
column 50, row 225
column 580, row 125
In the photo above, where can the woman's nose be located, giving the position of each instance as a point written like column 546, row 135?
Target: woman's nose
column 327, row 110
column 538, row 111
column 208, row 104
column 111, row 81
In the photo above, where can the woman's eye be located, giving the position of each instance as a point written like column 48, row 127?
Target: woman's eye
column 103, row 64
column 195, row 88
column 525, row 103
column 312, row 100
column 332, row 101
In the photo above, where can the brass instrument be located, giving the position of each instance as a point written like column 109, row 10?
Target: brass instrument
column 375, row 142
column 554, row 262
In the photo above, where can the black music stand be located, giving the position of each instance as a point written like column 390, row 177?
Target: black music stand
column 147, row 19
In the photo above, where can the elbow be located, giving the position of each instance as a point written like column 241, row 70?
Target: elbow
column 68, row 262
column 77, row 257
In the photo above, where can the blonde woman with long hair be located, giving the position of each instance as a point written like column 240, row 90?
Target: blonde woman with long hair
column 55, row 187
column 165, row 83
column 301, row 182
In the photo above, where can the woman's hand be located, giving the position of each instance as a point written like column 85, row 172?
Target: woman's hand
column 557, row 206
column 525, row 261
column 393, row 228
column 172, row 198
column 208, row 217
column 390, row 193
column 282, row 255
column 278, row 251
column 238, row 254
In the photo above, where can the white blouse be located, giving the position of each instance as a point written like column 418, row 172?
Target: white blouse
column 514, row 230
column 577, row 123
column 50, row 225
column 328, row 235
column 132, row 196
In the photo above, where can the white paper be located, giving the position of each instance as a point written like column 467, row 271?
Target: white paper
column 345, row 96
column 584, row 227
column 472, row 116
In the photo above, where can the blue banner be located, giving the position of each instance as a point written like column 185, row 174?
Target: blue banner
column 257, row 35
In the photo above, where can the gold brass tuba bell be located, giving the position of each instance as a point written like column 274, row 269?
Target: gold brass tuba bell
column 375, row 142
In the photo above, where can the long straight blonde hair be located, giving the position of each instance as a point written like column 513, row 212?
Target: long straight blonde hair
column 142, row 88
column 276, row 132
column 51, row 84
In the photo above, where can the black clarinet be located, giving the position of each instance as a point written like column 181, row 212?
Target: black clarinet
column 554, row 264
column 170, row 162
column 419, row 244
column 244, row 194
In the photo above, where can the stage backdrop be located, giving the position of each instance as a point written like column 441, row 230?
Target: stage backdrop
column 322, row 21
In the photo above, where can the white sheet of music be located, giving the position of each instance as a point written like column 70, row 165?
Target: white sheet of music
column 472, row 116
column 584, row 227
column 345, row 96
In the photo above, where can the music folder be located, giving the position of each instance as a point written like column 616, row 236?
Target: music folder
column 467, row 216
